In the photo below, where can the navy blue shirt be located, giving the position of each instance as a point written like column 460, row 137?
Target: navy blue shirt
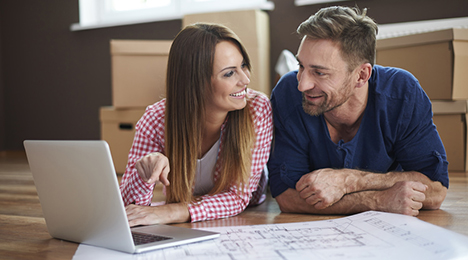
column 396, row 133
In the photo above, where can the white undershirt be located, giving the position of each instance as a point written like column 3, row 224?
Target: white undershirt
column 205, row 170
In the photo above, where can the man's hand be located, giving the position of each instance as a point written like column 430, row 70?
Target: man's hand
column 153, row 168
column 322, row 188
column 405, row 197
column 148, row 215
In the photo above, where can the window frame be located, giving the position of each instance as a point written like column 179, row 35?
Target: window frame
column 96, row 14
column 314, row 2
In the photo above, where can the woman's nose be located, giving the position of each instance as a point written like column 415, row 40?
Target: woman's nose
column 245, row 78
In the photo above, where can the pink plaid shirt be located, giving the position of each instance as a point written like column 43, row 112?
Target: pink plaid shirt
column 149, row 138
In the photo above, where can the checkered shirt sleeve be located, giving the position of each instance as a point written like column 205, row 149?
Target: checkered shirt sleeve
column 149, row 138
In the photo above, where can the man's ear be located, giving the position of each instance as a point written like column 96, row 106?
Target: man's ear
column 363, row 73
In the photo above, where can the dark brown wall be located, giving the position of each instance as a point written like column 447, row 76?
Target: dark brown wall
column 53, row 80
column 2, row 102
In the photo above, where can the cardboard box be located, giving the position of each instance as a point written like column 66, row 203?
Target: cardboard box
column 253, row 29
column 118, row 129
column 438, row 59
column 450, row 117
column 138, row 72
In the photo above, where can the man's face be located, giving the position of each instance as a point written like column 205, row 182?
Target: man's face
column 323, row 76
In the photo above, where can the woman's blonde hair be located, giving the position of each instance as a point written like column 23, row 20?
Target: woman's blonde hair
column 188, row 85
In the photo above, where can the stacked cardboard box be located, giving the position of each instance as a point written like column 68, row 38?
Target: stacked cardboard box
column 439, row 60
column 138, row 72
column 138, row 80
column 118, row 129
column 450, row 119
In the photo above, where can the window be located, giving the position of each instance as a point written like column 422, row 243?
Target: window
column 105, row 13
column 313, row 2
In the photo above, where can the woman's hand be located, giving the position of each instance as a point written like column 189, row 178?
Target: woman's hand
column 148, row 215
column 153, row 168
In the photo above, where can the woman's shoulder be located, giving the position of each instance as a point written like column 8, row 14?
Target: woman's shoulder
column 260, row 106
column 154, row 114
column 258, row 100
column 158, row 107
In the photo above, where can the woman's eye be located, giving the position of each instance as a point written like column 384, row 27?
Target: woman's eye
column 229, row 74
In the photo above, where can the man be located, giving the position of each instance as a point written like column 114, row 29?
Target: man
column 351, row 136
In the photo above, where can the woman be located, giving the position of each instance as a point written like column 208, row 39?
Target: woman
column 207, row 142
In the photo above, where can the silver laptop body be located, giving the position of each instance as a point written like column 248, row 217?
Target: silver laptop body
column 80, row 198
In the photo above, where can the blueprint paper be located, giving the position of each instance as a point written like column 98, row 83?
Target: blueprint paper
column 369, row 235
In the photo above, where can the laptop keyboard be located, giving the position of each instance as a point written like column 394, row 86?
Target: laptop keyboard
column 141, row 238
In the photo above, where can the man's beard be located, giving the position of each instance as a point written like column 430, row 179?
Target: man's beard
column 315, row 109
column 327, row 104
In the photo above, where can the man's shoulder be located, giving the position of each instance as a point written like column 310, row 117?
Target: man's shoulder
column 394, row 83
column 285, row 91
column 285, row 97
column 396, row 94
column 286, row 81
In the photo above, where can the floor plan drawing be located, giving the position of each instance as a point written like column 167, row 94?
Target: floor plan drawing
column 369, row 235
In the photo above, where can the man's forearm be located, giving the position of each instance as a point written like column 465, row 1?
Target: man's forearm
column 290, row 202
column 355, row 191
column 435, row 193
column 348, row 181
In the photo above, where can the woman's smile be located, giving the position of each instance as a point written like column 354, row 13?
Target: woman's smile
column 240, row 94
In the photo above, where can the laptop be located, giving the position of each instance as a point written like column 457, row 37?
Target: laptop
column 80, row 198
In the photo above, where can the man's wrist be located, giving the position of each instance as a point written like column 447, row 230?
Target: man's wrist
column 354, row 181
column 366, row 200
column 358, row 180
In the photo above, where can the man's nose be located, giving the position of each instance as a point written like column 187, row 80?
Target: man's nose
column 304, row 82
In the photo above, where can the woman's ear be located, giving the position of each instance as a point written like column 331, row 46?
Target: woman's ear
column 364, row 73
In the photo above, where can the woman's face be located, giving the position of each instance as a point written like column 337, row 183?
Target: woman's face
column 230, row 79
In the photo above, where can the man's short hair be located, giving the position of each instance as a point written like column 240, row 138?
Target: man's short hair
column 354, row 32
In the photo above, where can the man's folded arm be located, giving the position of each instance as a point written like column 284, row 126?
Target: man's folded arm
column 398, row 192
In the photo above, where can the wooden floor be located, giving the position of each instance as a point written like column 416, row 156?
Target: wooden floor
column 23, row 233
